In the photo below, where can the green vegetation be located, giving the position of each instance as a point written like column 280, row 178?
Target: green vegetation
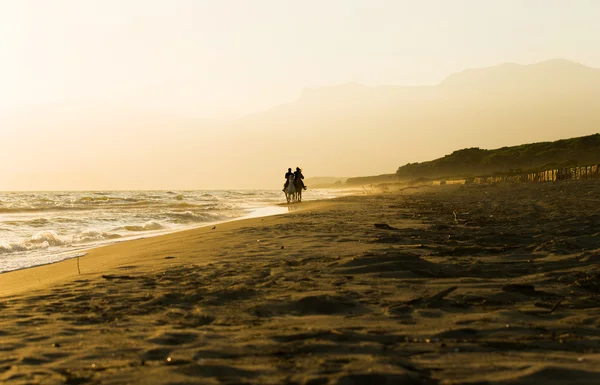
column 474, row 161
column 368, row 180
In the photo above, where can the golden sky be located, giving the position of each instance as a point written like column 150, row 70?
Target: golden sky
column 87, row 85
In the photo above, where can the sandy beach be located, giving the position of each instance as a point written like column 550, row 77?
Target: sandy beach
column 467, row 284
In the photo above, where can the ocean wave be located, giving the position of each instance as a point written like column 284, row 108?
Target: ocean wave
column 38, row 222
column 105, row 199
column 204, row 206
column 183, row 205
column 93, row 235
column 6, row 248
column 69, row 220
column 50, row 238
column 29, row 209
column 150, row 225
column 41, row 240
column 48, row 202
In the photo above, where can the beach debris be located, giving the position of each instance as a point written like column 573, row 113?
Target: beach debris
column 170, row 257
column 555, row 306
column 214, row 227
column 549, row 308
column 384, row 226
column 433, row 300
column 56, row 345
column 282, row 247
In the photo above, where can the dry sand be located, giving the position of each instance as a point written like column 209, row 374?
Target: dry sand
column 455, row 285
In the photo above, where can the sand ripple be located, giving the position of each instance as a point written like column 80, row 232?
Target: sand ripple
column 492, row 285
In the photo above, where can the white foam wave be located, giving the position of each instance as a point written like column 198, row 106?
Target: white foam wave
column 93, row 235
column 188, row 216
column 11, row 247
column 150, row 225
column 49, row 238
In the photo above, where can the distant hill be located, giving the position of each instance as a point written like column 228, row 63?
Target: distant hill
column 324, row 182
column 474, row 161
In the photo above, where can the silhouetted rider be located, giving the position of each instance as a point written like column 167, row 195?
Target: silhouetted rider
column 287, row 174
column 298, row 177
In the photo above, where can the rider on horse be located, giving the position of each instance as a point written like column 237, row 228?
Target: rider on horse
column 287, row 174
column 298, row 177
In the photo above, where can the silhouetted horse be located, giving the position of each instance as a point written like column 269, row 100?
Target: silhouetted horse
column 290, row 190
column 298, row 187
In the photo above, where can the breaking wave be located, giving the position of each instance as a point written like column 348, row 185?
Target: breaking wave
column 49, row 238
column 148, row 226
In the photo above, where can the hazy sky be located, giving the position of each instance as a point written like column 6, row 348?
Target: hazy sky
column 223, row 58
column 148, row 68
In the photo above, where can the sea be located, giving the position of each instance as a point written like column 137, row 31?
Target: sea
column 38, row 228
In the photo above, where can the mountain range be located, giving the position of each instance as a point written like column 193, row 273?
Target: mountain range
column 356, row 130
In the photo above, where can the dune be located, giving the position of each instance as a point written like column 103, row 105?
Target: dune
column 452, row 285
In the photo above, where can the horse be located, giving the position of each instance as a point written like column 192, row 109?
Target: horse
column 298, row 187
column 290, row 190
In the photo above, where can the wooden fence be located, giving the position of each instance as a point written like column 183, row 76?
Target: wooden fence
column 568, row 173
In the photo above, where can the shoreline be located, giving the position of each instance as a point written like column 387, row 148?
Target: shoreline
column 82, row 250
column 84, row 253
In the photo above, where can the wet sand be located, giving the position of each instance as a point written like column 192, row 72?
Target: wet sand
column 452, row 285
